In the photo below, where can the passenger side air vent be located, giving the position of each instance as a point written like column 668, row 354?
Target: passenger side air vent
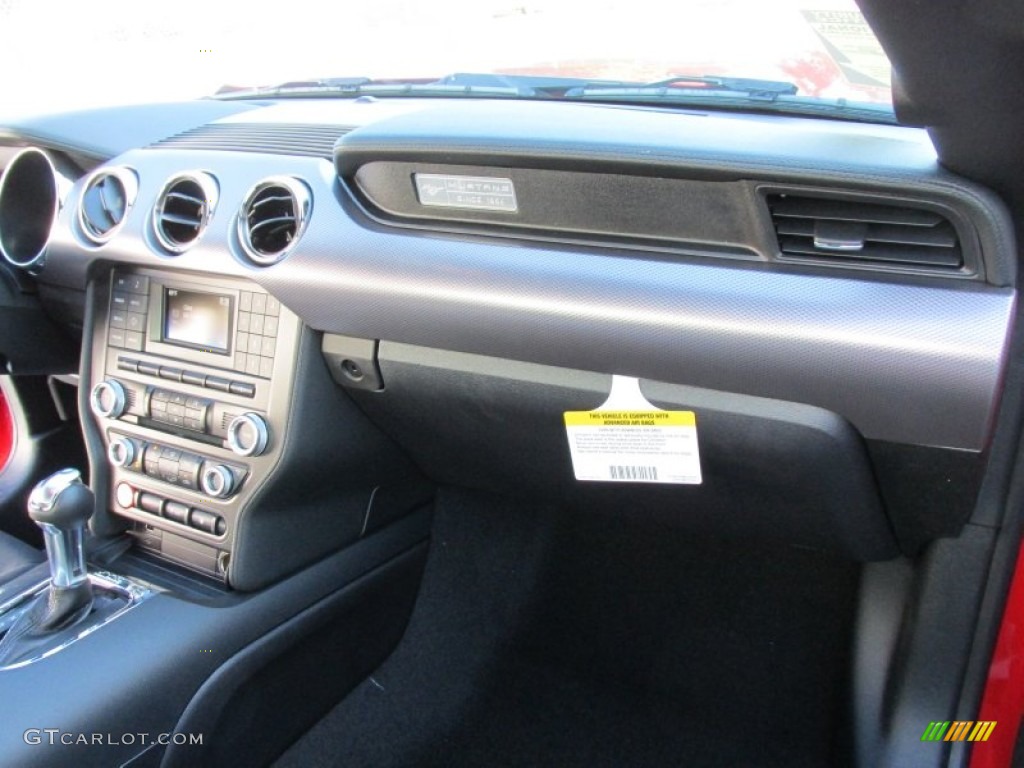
column 863, row 233
column 273, row 218
column 183, row 210
column 106, row 200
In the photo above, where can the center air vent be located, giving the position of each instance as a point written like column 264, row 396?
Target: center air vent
column 864, row 233
column 183, row 210
column 106, row 200
column 272, row 218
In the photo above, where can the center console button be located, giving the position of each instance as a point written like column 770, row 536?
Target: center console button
column 215, row 382
column 189, row 462
column 207, row 521
column 149, row 369
column 168, row 372
column 134, row 321
column 127, row 364
column 176, row 511
column 194, row 378
column 150, row 502
column 131, row 283
column 133, row 341
column 243, row 388
column 108, row 399
column 273, row 306
column 118, row 318
column 125, row 495
column 216, row 480
column 119, row 300
column 248, row 434
column 121, row 452
column 138, row 303
column 116, row 338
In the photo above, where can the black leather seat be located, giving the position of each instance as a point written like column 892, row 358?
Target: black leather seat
column 16, row 556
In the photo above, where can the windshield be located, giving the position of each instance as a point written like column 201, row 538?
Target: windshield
column 58, row 56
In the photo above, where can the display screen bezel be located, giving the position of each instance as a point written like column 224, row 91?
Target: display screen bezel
column 175, row 341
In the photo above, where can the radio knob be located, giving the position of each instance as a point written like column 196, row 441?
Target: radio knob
column 248, row 434
column 108, row 399
column 216, row 480
column 121, row 452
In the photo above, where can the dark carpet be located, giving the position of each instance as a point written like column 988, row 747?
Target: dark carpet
column 546, row 637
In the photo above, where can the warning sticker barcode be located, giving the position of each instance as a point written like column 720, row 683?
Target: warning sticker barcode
column 633, row 473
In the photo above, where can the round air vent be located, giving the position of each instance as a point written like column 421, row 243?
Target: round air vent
column 273, row 218
column 29, row 201
column 106, row 199
column 183, row 210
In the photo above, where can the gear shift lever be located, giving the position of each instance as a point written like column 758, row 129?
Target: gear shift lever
column 61, row 505
column 49, row 617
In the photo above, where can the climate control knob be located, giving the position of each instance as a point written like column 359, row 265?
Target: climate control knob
column 248, row 434
column 108, row 399
column 121, row 452
column 216, row 480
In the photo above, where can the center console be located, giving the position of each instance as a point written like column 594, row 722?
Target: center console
column 190, row 386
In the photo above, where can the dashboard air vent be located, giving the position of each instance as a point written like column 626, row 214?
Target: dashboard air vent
column 183, row 210
column 273, row 218
column 106, row 200
column 863, row 233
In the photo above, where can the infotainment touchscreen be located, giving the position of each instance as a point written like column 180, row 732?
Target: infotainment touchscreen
column 198, row 320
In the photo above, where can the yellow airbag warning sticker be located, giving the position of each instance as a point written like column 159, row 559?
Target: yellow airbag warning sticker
column 628, row 440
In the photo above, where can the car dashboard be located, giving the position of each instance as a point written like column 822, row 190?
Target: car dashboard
column 298, row 318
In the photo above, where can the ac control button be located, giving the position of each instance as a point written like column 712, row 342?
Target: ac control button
column 248, row 434
column 108, row 399
column 216, row 480
column 121, row 452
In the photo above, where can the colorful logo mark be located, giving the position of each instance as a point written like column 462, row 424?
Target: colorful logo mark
column 959, row 730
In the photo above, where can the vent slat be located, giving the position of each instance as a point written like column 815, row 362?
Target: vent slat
column 880, row 252
column 185, row 221
column 863, row 233
column 841, row 210
column 941, row 236
column 274, row 223
column 285, row 139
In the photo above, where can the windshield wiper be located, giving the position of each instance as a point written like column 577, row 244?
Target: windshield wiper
column 736, row 93
column 363, row 86
column 732, row 93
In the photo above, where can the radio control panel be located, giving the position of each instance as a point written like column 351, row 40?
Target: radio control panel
column 190, row 383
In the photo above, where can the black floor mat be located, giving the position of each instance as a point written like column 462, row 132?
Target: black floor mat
column 546, row 637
